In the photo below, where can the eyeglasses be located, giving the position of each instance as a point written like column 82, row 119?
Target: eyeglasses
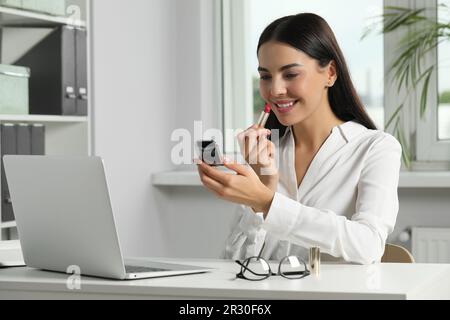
column 257, row 269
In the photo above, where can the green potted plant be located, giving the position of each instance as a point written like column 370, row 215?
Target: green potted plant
column 408, row 70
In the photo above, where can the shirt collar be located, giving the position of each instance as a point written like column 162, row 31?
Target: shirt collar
column 351, row 129
column 348, row 130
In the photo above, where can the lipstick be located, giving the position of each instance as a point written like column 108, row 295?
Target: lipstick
column 264, row 116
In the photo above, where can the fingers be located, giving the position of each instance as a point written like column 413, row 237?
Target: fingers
column 251, row 140
column 238, row 168
column 219, row 176
column 211, row 184
column 260, row 153
column 263, row 154
column 252, row 132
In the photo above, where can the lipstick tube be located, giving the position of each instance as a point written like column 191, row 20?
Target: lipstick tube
column 264, row 116
column 314, row 261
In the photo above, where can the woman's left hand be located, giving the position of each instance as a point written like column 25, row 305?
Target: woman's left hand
column 245, row 187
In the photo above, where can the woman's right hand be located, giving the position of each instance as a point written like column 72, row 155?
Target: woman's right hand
column 259, row 152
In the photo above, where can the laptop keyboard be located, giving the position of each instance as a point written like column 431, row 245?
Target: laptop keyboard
column 134, row 269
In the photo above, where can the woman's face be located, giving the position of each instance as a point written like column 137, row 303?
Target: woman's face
column 292, row 82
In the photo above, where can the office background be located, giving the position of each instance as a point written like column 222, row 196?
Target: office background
column 170, row 42
column 148, row 62
column 152, row 71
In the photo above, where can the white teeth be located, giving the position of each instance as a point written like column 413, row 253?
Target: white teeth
column 286, row 105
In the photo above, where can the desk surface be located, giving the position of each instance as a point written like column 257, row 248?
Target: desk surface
column 381, row 281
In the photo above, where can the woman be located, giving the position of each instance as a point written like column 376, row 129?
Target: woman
column 336, row 185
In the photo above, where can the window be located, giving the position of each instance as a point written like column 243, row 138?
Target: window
column 369, row 61
column 364, row 57
column 432, row 138
column 443, row 78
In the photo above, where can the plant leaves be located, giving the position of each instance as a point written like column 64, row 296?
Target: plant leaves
column 394, row 116
column 424, row 96
column 401, row 17
column 407, row 70
column 406, row 154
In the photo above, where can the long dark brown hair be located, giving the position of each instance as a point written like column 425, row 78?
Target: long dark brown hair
column 312, row 35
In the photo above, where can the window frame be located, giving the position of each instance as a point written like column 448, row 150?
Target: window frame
column 429, row 147
column 237, row 84
column 428, row 152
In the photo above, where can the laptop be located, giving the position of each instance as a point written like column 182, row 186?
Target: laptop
column 65, row 219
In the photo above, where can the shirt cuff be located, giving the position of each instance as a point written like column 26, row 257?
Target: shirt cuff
column 282, row 216
column 250, row 219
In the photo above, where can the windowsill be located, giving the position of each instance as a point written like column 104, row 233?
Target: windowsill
column 176, row 178
column 408, row 180
column 424, row 179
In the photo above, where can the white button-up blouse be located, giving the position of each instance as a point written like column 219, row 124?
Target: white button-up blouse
column 347, row 203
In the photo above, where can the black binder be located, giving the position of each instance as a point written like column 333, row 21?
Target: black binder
column 81, row 72
column 38, row 139
column 23, row 139
column 53, row 85
column 9, row 146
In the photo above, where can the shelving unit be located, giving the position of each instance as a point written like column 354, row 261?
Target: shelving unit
column 8, row 225
column 43, row 118
column 64, row 135
column 11, row 17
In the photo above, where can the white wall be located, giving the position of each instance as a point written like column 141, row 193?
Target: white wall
column 153, row 72
column 133, row 72
column 422, row 208
column 147, row 64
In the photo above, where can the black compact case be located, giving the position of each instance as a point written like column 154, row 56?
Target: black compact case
column 209, row 153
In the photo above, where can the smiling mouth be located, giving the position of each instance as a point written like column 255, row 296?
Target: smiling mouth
column 285, row 106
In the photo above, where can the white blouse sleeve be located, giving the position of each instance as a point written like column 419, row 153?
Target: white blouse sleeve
column 360, row 239
column 247, row 236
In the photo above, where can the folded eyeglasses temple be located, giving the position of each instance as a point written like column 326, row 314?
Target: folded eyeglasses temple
column 262, row 249
column 250, row 270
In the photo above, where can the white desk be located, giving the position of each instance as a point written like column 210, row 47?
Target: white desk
column 382, row 281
